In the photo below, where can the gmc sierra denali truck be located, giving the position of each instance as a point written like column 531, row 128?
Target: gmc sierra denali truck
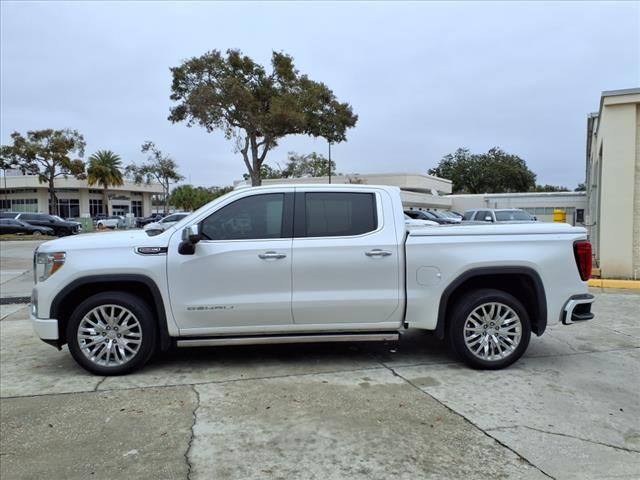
column 307, row 263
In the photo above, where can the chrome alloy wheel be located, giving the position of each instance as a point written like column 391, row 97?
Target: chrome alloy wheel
column 492, row 331
column 109, row 335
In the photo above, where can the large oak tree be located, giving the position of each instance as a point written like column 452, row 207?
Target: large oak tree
column 234, row 94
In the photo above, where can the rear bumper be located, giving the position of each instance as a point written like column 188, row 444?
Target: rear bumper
column 577, row 309
column 46, row 329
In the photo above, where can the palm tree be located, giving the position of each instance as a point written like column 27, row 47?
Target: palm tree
column 104, row 169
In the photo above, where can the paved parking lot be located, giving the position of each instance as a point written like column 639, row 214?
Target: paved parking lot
column 569, row 409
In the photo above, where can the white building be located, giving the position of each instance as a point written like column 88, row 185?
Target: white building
column 613, row 183
column 24, row 193
column 539, row 204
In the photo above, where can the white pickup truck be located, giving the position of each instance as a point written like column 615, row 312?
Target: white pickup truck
column 317, row 263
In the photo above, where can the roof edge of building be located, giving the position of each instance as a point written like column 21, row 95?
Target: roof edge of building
column 623, row 91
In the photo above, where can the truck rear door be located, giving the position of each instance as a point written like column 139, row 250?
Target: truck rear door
column 346, row 259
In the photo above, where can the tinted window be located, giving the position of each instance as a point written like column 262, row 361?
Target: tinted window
column 507, row 215
column 482, row 214
column 467, row 215
column 255, row 217
column 339, row 214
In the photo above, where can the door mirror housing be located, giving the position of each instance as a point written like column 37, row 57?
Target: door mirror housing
column 190, row 236
column 488, row 218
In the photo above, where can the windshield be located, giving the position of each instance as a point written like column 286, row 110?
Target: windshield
column 55, row 217
column 507, row 215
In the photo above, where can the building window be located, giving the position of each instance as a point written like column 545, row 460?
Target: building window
column 136, row 208
column 68, row 207
column 95, row 207
column 19, row 205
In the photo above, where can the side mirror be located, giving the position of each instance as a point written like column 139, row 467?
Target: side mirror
column 488, row 218
column 190, row 236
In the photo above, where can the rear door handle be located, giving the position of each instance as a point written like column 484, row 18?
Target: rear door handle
column 268, row 255
column 377, row 252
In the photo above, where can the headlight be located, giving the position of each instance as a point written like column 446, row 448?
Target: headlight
column 47, row 264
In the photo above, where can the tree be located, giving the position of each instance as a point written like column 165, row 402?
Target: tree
column 309, row 165
column 159, row 167
column 493, row 172
column 550, row 188
column 47, row 153
column 104, row 169
column 188, row 197
column 266, row 173
column 255, row 108
column 580, row 188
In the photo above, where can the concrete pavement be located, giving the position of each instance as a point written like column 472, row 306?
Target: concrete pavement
column 569, row 409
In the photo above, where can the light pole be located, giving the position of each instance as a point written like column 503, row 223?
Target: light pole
column 329, row 162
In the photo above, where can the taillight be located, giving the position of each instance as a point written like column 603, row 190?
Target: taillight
column 582, row 252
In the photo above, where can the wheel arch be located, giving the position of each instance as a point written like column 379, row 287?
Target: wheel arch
column 70, row 296
column 524, row 283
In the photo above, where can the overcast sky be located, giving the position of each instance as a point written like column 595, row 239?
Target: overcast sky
column 424, row 78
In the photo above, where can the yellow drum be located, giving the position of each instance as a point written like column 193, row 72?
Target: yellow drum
column 559, row 215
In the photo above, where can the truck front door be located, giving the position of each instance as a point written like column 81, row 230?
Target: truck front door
column 240, row 273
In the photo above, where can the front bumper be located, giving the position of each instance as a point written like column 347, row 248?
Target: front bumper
column 46, row 329
column 577, row 309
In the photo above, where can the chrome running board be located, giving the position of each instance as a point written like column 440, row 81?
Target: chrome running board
column 312, row 338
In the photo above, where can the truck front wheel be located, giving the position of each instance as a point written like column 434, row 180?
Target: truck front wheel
column 489, row 329
column 111, row 333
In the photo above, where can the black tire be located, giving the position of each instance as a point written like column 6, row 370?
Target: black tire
column 146, row 328
column 479, row 299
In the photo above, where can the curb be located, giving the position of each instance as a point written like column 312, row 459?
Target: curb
column 606, row 283
column 14, row 300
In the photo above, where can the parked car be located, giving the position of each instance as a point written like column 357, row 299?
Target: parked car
column 114, row 221
column 415, row 222
column 429, row 215
column 457, row 218
column 166, row 222
column 17, row 227
column 493, row 215
column 99, row 216
column 308, row 263
column 60, row 227
column 154, row 217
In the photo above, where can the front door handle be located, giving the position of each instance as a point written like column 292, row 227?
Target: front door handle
column 377, row 252
column 268, row 255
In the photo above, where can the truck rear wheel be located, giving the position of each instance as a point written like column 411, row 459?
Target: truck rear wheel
column 489, row 329
column 111, row 333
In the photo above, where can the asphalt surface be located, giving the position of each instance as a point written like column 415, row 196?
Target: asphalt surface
column 569, row 409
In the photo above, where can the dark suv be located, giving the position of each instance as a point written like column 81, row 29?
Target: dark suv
column 60, row 227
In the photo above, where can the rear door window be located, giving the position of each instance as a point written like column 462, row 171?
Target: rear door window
column 338, row 214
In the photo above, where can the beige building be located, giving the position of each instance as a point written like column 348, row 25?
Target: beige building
column 24, row 193
column 613, row 183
